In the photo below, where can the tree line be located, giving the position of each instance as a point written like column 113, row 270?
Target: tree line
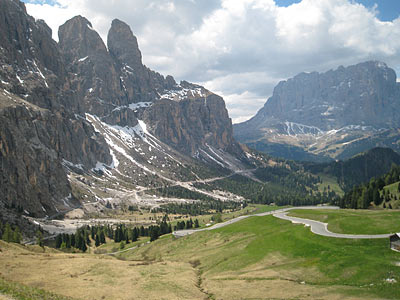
column 362, row 196
column 84, row 236
column 189, row 224
column 9, row 234
column 199, row 207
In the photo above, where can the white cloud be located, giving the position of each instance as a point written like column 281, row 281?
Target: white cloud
column 241, row 49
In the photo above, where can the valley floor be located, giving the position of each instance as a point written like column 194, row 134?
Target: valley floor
column 256, row 258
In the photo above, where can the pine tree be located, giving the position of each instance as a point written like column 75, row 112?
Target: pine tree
column 122, row 245
column 8, row 233
column 142, row 231
column 135, row 234
column 84, row 247
column 17, row 236
column 59, row 241
column 126, row 239
column 154, row 232
column 67, row 241
column 39, row 238
column 376, row 197
column 102, row 237
column 196, row 223
column 78, row 240
column 97, row 240
column 87, row 239
column 72, row 239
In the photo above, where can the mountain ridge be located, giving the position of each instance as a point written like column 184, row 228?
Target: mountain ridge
column 82, row 123
column 329, row 113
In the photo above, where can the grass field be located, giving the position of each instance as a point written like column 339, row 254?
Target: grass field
column 248, row 210
column 354, row 221
column 393, row 189
column 267, row 256
column 111, row 246
column 256, row 258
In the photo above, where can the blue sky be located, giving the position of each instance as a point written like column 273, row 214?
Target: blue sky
column 388, row 9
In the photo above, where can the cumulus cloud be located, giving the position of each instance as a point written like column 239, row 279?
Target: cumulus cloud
column 241, row 49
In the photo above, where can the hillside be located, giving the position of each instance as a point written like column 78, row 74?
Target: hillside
column 358, row 169
column 380, row 192
column 320, row 116
column 251, row 258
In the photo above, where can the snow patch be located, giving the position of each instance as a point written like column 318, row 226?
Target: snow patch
column 19, row 79
column 293, row 129
column 181, row 93
column 70, row 164
column 212, row 158
column 134, row 106
column 83, row 59
column 40, row 74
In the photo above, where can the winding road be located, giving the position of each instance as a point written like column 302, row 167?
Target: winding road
column 316, row 226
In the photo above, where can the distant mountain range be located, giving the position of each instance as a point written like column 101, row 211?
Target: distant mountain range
column 333, row 115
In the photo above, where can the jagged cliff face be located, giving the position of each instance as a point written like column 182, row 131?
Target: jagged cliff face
column 351, row 107
column 79, row 108
column 116, row 86
column 37, row 131
column 192, row 124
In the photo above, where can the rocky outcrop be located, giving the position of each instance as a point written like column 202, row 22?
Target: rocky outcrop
column 38, row 131
column 32, row 176
column 192, row 123
column 139, row 83
column 359, row 100
column 365, row 94
column 193, row 118
column 93, row 74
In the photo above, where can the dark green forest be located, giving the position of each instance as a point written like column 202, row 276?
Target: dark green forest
column 372, row 192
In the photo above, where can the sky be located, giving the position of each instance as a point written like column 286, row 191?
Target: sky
column 241, row 49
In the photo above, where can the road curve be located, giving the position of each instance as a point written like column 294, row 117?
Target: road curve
column 316, row 226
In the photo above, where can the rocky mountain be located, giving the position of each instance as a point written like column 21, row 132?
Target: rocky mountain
column 82, row 124
column 37, row 132
column 336, row 114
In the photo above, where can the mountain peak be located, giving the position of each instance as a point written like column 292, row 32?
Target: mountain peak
column 78, row 39
column 123, row 45
column 362, row 98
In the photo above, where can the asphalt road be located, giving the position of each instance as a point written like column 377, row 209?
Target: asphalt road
column 316, row 226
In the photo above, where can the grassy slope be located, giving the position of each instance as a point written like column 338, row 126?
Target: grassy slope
column 255, row 256
column 111, row 246
column 20, row 291
column 87, row 276
column 354, row 221
column 331, row 181
column 393, row 189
